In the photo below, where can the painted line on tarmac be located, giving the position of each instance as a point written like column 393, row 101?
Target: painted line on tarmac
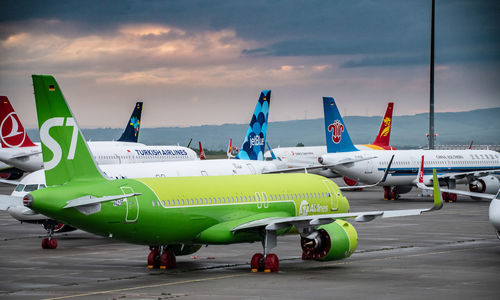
column 148, row 286
column 405, row 256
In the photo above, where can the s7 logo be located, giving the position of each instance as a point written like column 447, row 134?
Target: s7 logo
column 53, row 145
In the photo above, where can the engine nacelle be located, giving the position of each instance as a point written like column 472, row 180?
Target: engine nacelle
column 349, row 181
column 403, row 189
column 487, row 184
column 334, row 241
column 183, row 249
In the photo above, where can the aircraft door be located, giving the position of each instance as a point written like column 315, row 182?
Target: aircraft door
column 369, row 166
column 132, row 213
column 334, row 200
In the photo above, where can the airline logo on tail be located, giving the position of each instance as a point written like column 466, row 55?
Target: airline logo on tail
column 387, row 128
column 53, row 145
column 135, row 123
column 10, row 134
column 336, row 129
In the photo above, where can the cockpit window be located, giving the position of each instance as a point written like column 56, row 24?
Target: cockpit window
column 19, row 187
column 42, row 186
column 30, row 187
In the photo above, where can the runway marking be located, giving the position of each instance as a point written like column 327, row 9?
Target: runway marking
column 148, row 286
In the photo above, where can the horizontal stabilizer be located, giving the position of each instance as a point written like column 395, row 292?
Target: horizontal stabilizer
column 86, row 200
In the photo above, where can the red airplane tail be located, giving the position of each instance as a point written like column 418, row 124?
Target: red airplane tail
column 12, row 133
column 384, row 135
column 202, row 153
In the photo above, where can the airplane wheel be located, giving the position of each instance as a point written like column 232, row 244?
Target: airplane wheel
column 445, row 196
column 387, row 192
column 45, row 243
column 168, row 259
column 452, row 197
column 272, row 263
column 394, row 194
column 257, row 262
column 52, row 243
column 153, row 258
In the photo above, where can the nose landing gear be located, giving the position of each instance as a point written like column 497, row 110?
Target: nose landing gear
column 49, row 242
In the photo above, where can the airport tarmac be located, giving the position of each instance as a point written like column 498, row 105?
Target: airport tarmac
column 449, row 254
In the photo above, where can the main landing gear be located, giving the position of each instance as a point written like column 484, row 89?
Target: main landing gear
column 161, row 257
column 391, row 193
column 267, row 262
column 49, row 242
column 450, row 197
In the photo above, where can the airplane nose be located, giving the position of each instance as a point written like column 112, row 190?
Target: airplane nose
column 28, row 200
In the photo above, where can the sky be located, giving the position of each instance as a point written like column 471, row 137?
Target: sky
column 205, row 62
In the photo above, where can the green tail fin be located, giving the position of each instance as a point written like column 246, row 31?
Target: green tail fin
column 66, row 156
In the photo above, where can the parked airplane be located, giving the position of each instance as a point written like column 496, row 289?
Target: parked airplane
column 21, row 153
column 252, row 147
column 297, row 157
column 453, row 166
column 131, row 210
column 494, row 210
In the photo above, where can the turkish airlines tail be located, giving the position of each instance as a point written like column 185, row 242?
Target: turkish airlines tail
column 12, row 133
column 384, row 135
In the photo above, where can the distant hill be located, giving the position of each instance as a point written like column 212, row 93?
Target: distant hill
column 482, row 126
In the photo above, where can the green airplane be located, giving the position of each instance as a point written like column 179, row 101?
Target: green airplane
column 175, row 216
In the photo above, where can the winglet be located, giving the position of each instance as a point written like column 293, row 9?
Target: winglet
column 386, row 172
column 272, row 153
column 131, row 132
column 438, row 200
column 421, row 172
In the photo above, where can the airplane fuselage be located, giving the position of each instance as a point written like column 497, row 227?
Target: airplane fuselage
column 406, row 164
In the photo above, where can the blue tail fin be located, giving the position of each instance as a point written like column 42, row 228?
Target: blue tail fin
column 337, row 137
column 131, row 133
column 255, row 141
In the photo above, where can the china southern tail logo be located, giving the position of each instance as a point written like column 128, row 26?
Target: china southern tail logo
column 54, row 146
column 387, row 124
column 9, row 129
column 336, row 128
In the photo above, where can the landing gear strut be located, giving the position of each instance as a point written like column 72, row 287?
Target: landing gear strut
column 161, row 257
column 267, row 262
column 49, row 242
column 391, row 193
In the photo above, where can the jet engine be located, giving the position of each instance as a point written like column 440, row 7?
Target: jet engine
column 349, row 181
column 334, row 241
column 403, row 189
column 183, row 249
column 487, row 184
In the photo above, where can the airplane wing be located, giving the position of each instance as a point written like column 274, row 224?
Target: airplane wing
column 474, row 174
column 324, row 167
column 273, row 223
column 382, row 179
column 25, row 154
column 12, row 182
column 459, row 192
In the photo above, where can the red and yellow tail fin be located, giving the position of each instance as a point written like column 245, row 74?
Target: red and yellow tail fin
column 384, row 135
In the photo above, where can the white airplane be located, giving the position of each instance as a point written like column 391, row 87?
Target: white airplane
column 471, row 167
column 19, row 152
column 248, row 161
column 305, row 157
column 494, row 209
